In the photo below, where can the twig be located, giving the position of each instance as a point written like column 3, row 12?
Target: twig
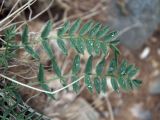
column 13, row 7
column 110, row 108
column 34, row 96
column 94, row 11
column 17, row 11
column 30, row 14
column 4, row 27
column 1, row 5
column 137, row 24
column 36, row 16
column 27, row 78
column 40, row 90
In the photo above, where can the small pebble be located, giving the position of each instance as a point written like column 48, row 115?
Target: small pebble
column 144, row 54
column 154, row 88
column 158, row 51
column 140, row 113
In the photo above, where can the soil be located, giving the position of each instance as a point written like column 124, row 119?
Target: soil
column 125, row 105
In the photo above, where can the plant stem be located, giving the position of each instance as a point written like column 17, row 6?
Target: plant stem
column 40, row 90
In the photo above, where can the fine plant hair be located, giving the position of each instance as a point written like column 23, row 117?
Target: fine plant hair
column 92, row 37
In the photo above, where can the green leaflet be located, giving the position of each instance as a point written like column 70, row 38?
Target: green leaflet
column 101, row 33
column 26, row 43
column 47, row 48
column 32, row 52
column 116, row 53
column 133, row 72
column 115, row 42
column 63, row 81
column 110, row 37
column 129, row 84
column 10, row 33
column 76, row 64
column 80, row 45
column 97, row 46
column 76, row 85
column 114, row 84
column 115, row 49
column 136, row 83
column 122, row 83
column 86, row 27
column 112, row 66
column 25, row 35
column 62, row 46
column 46, row 30
column 104, row 85
column 89, row 46
column 88, row 83
column 64, row 28
column 95, row 29
column 100, row 66
column 75, row 26
column 88, row 68
column 123, row 67
column 55, row 67
column 42, row 80
column 104, row 48
column 97, row 84
column 73, row 42
column 129, row 68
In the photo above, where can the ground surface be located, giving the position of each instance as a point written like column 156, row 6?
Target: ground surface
column 141, row 104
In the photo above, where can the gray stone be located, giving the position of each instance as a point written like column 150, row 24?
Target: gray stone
column 154, row 88
column 140, row 113
column 80, row 110
column 138, row 17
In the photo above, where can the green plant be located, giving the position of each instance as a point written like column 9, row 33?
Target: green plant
column 92, row 37
column 12, row 106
